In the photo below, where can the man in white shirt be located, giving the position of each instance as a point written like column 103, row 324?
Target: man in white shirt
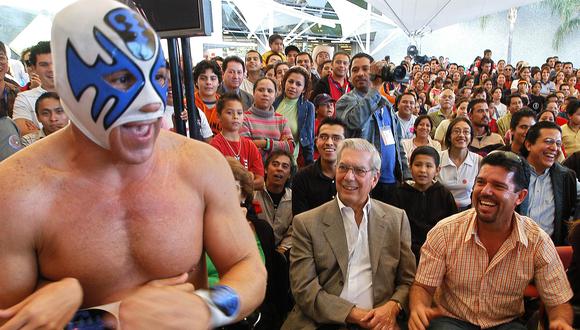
column 405, row 105
column 351, row 260
column 24, row 114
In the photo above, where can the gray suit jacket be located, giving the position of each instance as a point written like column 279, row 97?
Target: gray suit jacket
column 319, row 261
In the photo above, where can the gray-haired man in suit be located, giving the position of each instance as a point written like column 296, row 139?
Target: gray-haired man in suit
column 351, row 261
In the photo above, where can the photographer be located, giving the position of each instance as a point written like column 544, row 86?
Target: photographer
column 369, row 115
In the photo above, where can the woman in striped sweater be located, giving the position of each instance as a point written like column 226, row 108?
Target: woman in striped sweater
column 268, row 130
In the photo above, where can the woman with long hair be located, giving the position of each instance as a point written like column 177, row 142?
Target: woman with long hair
column 299, row 112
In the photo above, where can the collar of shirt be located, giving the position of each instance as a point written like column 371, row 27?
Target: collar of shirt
column 348, row 213
column 446, row 161
column 517, row 234
column 536, row 175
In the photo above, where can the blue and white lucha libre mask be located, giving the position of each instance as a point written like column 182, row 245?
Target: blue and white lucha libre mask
column 90, row 41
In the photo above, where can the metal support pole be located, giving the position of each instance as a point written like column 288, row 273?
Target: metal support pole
column 512, row 16
column 176, row 84
column 193, row 118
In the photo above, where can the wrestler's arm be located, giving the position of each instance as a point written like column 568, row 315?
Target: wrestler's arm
column 24, row 297
column 228, row 238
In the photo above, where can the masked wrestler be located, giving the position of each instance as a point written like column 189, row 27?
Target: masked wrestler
column 112, row 210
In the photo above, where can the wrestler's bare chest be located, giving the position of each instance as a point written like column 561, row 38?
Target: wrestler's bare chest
column 114, row 240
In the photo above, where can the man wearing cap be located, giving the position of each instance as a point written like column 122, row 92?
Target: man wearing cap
column 291, row 52
column 336, row 84
column 123, row 212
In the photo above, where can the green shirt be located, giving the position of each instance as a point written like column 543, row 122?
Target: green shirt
column 289, row 109
column 212, row 273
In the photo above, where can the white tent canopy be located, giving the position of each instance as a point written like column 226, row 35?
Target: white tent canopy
column 415, row 18
column 418, row 17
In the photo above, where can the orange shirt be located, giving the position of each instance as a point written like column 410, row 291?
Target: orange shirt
column 488, row 293
column 210, row 114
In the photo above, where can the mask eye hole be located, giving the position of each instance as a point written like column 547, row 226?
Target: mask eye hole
column 121, row 80
column 161, row 77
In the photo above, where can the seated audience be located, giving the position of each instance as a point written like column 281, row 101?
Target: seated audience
column 230, row 143
column 351, row 262
column 270, row 313
column 481, row 260
column 459, row 166
column 421, row 130
column 50, row 114
column 425, row 200
column 274, row 202
column 570, row 136
column 519, row 125
column 299, row 112
column 314, row 184
column 459, row 110
column 234, row 70
column 268, row 130
column 552, row 195
column 484, row 139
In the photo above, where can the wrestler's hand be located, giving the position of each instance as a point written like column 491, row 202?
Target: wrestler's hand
column 383, row 317
column 50, row 307
column 421, row 316
column 559, row 324
column 163, row 307
column 178, row 282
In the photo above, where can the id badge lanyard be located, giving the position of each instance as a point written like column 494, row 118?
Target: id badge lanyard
column 385, row 129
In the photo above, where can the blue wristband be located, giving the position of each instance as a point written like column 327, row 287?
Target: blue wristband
column 223, row 303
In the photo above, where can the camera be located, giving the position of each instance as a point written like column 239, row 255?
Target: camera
column 393, row 73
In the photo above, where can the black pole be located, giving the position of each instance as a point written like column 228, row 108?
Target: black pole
column 192, row 113
column 176, row 85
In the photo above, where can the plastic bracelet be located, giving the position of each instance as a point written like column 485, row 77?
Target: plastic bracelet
column 223, row 303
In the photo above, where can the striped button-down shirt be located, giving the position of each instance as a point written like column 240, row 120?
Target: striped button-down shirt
column 487, row 292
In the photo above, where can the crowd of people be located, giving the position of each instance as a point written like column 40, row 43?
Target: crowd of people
column 427, row 202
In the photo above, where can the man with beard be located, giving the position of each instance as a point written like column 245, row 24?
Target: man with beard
column 482, row 259
column 484, row 141
column 368, row 115
column 336, row 84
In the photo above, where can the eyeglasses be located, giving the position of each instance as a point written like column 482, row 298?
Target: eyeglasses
column 465, row 132
column 358, row 171
column 335, row 138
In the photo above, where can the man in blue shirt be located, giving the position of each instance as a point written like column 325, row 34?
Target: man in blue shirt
column 369, row 115
column 553, row 192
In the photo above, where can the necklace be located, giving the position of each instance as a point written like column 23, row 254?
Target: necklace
column 236, row 155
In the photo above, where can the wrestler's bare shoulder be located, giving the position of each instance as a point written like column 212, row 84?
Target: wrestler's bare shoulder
column 199, row 158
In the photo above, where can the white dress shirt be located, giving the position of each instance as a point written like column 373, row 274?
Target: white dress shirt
column 358, row 284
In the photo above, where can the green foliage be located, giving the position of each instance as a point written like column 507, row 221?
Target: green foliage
column 569, row 13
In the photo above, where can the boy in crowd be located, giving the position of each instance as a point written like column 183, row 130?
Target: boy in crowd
column 424, row 200
column 324, row 107
column 229, row 142
column 50, row 114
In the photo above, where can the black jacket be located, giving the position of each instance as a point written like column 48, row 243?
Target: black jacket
column 424, row 210
column 564, row 187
